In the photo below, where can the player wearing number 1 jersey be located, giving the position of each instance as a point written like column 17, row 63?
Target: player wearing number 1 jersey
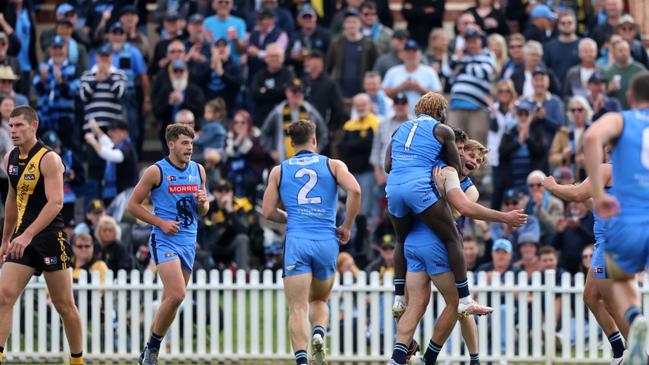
column 627, row 207
column 177, row 189
column 306, row 184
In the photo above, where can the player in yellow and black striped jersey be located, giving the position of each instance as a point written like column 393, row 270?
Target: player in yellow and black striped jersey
column 33, row 241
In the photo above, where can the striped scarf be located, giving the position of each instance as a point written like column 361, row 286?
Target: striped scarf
column 286, row 121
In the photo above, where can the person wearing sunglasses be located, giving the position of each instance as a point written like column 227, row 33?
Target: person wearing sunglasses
column 628, row 30
column 84, row 258
column 566, row 149
column 546, row 207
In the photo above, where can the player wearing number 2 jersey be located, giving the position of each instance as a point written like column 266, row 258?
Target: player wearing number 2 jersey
column 307, row 186
column 627, row 207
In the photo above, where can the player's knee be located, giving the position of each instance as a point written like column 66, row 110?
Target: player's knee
column 591, row 297
column 176, row 297
column 8, row 297
column 64, row 306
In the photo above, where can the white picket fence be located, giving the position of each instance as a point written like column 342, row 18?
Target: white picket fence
column 116, row 317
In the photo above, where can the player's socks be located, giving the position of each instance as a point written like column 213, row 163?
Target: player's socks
column 399, row 286
column 76, row 359
column 475, row 359
column 432, row 352
column 319, row 330
column 301, row 357
column 463, row 289
column 400, row 353
column 631, row 314
column 154, row 342
column 617, row 344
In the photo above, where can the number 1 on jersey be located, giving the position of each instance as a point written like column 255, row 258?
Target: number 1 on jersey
column 306, row 188
column 411, row 135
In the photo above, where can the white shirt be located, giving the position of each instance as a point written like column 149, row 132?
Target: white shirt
column 424, row 75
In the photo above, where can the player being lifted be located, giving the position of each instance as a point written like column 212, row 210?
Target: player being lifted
column 307, row 185
column 627, row 205
column 33, row 241
column 177, row 188
column 415, row 148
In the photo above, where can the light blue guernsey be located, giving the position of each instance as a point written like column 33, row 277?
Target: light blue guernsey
column 415, row 149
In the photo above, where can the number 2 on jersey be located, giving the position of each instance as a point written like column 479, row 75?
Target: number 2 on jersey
column 306, row 188
column 411, row 135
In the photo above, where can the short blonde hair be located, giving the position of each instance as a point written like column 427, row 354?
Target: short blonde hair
column 432, row 104
column 473, row 145
column 584, row 104
column 108, row 222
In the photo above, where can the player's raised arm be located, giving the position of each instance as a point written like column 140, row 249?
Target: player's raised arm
column 607, row 129
column 446, row 135
column 348, row 182
column 270, row 204
column 575, row 193
column 11, row 215
column 149, row 181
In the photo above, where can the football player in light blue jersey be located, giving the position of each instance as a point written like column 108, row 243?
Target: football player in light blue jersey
column 627, row 207
column 306, row 184
column 176, row 185
column 598, row 286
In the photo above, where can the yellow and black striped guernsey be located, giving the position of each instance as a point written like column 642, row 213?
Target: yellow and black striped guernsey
column 28, row 182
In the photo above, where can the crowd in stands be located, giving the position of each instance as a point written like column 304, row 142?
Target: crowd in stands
column 110, row 76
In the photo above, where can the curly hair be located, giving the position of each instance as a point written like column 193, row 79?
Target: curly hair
column 432, row 104
column 473, row 145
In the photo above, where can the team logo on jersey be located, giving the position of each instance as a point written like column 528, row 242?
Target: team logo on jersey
column 13, row 170
column 50, row 260
column 30, row 177
column 31, row 168
column 184, row 208
column 598, row 270
column 182, row 188
column 170, row 254
column 171, row 178
column 290, row 267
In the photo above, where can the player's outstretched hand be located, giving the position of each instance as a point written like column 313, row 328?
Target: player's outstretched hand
column 18, row 245
column 549, row 182
column 607, row 206
column 516, row 218
column 169, row 227
column 343, row 234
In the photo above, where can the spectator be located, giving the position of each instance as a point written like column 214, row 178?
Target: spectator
column 597, row 98
column 561, row 53
column 576, row 81
column 613, row 10
column 265, row 33
column 108, row 235
column 392, row 57
column 541, row 26
column 5, row 58
column 619, row 74
column 212, row 134
column 473, row 74
column 172, row 31
column 628, row 30
column 350, row 56
column 55, row 87
column 345, row 263
column 586, row 259
column 129, row 17
column 224, row 25
column 501, row 259
column 175, row 52
column 77, row 53
column 513, row 200
column 245, row 156
column 268, row 85
column 7, row 79
column 522, row 77
column 225, row 227
column 501, row 119
column 308, row 38
column 199, row 47
column 274, row 135
column 101, row 90
column 438, row 57
column 7, row 105
column 173, row 93
column 119, row 153
column 84, row 259
column 528, row 249
column 463, row 23
column 471, row 253
column 381, row 103
column 549, row 107
column 19, row 16
column 283, row 16
column 498, row 48
column 567, row 148
column 549, row 260
column 516, row 60
column 489, row 18
column 423, row 16
column 373, row 29
column 412, row 77
column 337, row 24
column 574, row 232
column 385, row 262
column 95, row 210
column 225, row 75
column 517, row 13
column 543, row 205
column 356, row 146
column 522, row 149
column 321, row 92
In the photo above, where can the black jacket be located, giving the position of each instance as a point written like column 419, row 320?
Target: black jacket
column 267, row 90
column 325, row 96
column 116, row 257
column 537, row 145
column 420, row 23
column 518, row 78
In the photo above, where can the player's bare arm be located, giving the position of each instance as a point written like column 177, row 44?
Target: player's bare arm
column 150, row 179
column 271, row 202
column 576, row 193
column 462, row 204
column 52, row 170
column 446, row 135
column 348, row 182
column 202, row 202
column 11, row 216
column 387, row 165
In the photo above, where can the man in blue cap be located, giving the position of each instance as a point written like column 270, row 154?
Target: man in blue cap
column 308, row 37
column 65, row 11
column 541, row 25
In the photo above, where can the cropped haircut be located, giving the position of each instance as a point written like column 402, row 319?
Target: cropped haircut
column 26, row 111
column 174, row 131
column 640, row 87
column 301, row 131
